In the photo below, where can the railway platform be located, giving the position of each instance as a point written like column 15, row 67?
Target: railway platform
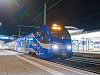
column 13, row 63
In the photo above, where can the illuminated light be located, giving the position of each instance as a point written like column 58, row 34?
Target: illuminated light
column 42, row 38
column 55, row 46
column 4, row 37
column 30, row 39
column 56, row 27
column 11, row 38
column 69, row 47
column 8, row 2
column 62, row 37
column 49, row 39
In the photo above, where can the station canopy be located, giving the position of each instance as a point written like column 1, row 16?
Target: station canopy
column 73, row 30
column 88, row 35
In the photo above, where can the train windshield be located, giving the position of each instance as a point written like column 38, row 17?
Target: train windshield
column 60, row 35
column 59, row 32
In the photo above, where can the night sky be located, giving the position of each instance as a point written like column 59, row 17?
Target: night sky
column 84, row 14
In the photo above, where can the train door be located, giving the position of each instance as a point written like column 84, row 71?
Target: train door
column 35, row 42
column 28, row 45
column 23, row 46
column 43, row 39
column 39, row 37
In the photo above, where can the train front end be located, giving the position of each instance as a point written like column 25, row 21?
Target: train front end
column 61, row 42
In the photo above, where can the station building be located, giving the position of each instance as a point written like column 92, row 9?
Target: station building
column 84, row 41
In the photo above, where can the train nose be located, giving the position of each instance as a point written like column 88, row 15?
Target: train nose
column 61, row 50
column 56, row 47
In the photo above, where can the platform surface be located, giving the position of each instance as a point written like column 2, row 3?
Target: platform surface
column 13, row 63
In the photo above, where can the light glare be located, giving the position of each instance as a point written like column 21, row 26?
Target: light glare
column 55, row 47
column 68, row 47
column 56, row 27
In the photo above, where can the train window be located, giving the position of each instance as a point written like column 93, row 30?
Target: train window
column 43, row 38
column 61, row 35
column 36, row 35
column 29, row 42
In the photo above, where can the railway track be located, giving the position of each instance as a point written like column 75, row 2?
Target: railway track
column 83, row 63
column 85, row 60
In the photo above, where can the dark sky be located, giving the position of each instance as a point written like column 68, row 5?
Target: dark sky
column 83, row 14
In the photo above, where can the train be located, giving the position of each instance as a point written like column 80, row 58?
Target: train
column 45, row 42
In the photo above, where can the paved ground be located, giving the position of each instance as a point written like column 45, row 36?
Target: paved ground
column 13, row 63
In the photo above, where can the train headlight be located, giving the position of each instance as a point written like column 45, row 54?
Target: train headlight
column 69, row 47
column 55, row 46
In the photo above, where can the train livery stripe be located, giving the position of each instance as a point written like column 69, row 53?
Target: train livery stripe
column 46, row 46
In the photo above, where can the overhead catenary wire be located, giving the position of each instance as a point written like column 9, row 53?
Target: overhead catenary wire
column 83, row 19
column 35, row 13
column 46, row 10
column 54, row 4
column 43, row 11
column 39, row 9
column 75, row 21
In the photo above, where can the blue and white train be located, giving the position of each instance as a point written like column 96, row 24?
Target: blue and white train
column 47, row 41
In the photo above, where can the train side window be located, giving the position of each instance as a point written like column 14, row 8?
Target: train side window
column 36, row 36
column 43, row 38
